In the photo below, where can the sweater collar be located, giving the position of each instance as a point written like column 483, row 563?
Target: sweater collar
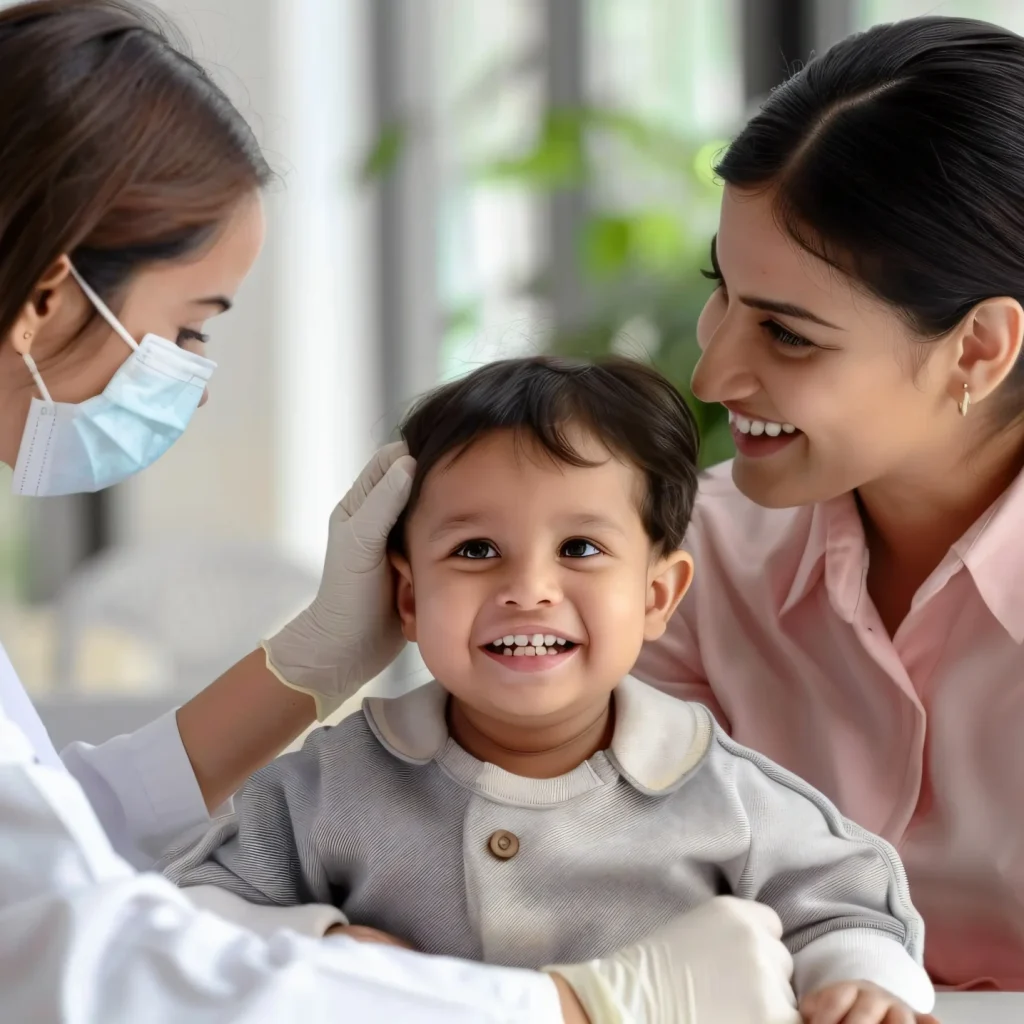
column 658, row 740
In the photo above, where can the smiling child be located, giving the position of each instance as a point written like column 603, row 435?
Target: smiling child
column 535, row 804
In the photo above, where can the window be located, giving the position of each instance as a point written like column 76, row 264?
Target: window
column 1008, row 13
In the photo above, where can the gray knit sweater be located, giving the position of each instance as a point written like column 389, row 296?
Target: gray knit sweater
column 387, row 818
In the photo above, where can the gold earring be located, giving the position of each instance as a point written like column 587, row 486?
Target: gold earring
column 27, row 336
column 965, row 403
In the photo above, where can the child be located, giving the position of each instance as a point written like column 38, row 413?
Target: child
column 535, row 804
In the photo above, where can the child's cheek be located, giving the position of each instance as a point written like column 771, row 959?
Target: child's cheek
column 447, row 605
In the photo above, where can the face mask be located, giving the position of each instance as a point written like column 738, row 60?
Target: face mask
column 77, row 449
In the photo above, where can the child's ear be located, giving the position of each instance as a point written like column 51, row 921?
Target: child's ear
column 670, row 578
column 405, row 599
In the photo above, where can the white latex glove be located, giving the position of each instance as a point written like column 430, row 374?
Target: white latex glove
column 722, row 963
column 351, row 631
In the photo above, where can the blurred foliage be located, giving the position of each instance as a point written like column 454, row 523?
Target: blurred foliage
column 640, row 264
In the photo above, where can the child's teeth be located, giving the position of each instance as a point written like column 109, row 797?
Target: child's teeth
column 788, row 428
column 773, row 429
column 538, row 644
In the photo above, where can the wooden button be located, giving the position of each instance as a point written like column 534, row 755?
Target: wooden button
column 504, row 845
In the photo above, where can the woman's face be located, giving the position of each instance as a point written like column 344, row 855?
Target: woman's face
column 172, row 300
column 177, row 300
column 829, row 383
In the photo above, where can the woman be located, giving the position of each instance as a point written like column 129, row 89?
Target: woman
column 129, row 214
column 857, row 613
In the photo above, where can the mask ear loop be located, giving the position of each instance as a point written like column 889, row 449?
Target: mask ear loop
column 34, row 370
column 103, row 309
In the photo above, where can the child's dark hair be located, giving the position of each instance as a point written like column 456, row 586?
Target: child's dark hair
column 628, row 406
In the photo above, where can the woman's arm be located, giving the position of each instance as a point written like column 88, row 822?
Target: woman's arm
column 238, row 723
column 85, row 940
column 572, row 1008
column 346, row 637
column 150, row 787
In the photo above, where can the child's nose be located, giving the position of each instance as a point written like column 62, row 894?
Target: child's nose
column 530, row 585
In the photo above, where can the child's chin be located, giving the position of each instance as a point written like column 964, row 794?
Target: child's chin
column 532, row 697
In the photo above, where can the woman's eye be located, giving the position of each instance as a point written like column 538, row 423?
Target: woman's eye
column 786, row 337
column 476, row 549
column 187, row 334
column 715, row 275
column 579, row 548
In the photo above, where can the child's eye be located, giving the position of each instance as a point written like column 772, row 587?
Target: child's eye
column 579, row 548
column 786, row 337
column 476, row 549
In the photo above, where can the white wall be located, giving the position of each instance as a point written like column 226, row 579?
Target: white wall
column 292, row 404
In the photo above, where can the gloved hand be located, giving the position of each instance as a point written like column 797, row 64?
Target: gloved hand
column 722, row 962
column 351, row 631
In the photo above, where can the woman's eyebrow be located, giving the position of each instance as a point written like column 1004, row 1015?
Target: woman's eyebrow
column 770, row 305
column 786, row 309
column 221, row 301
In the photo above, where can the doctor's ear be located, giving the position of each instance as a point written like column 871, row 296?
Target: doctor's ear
column 405, row 599
column 44, row 301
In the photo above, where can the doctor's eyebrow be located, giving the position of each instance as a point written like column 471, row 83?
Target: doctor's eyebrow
column 220, row 301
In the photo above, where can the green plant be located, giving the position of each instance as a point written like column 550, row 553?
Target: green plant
column 639, row 265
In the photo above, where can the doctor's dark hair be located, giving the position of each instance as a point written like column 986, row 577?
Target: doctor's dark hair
column 898, row 157
column 118, row 149
column 628, row 406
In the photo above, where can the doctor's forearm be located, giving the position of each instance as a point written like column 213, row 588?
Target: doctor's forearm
column 239, row 723
column 572, row 1008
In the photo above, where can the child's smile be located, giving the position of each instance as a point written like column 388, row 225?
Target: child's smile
column 532, row 649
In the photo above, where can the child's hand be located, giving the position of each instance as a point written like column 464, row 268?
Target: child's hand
column 858, row 1002
column 361, row 933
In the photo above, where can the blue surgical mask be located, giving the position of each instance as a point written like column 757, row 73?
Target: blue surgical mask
column 80, row 448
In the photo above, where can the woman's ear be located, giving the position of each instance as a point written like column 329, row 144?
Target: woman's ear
column 405, row 599
column 990, row 345
column 41, row 306
column 670, row 578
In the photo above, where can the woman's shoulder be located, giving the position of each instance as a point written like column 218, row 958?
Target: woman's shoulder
column 726, row 525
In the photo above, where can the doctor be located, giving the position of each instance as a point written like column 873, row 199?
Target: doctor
column 129, row 214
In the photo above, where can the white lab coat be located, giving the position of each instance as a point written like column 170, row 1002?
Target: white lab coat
column 84, row 939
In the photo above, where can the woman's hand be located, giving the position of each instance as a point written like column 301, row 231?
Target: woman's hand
column 723, row 961
column 361, row 933
column 858, row 1002
column 351, row 632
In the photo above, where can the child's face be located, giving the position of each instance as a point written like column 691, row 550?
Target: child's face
column 505, row 542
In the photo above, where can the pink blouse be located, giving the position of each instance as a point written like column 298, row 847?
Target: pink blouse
column 919, row 738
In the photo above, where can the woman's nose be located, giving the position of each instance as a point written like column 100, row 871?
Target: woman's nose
column 723, row 372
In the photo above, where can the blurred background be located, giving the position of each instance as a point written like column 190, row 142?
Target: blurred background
column 460, row 180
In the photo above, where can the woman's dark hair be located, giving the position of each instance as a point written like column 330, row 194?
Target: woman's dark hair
column 117, row 149
column 628, row 406
column 898, row 157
